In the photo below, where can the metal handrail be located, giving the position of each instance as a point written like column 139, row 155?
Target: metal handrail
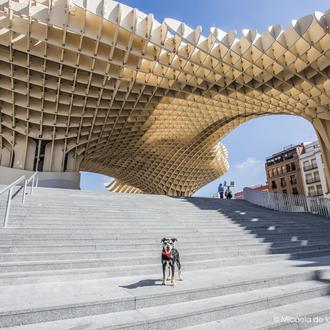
column 10, row 188
column 288, row 202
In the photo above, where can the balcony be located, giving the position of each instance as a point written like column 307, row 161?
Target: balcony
column 313, row 180
column 310, row 167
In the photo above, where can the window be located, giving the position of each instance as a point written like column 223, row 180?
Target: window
column 274, row 185
column 309, row 178
column 284, row 191
column 293, row 179
column 306, row 165
column 293, row 166
column 288, row 169
column 311, row 191
column 319, row 190
column 294, row 191
column 314, row 163
column 283, row 182
column 316, row 176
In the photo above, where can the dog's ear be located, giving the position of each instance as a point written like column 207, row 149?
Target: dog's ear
column 174, row 240
column 163, row 240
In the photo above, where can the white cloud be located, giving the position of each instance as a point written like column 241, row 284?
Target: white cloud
column 249, row 163
column 248, row 172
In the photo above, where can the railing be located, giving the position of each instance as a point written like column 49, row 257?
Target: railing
column 288, row 202
column 22, row 183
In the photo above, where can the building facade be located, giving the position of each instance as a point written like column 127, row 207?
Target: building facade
column 283, row 171
column 95, row 85
column 240, row 194
column 312, row 168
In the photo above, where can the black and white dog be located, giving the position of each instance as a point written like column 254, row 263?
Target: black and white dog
column 170, row 258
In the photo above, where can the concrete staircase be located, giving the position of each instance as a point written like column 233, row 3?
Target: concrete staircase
column 83, row 260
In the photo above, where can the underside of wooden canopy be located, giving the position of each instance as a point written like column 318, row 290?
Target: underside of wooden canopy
column 95, row 85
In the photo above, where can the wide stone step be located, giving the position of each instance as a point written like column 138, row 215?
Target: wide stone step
column 163, row 208
column 186, row 253
column 149, row 215
column 28, row 272
column 16, row 227
column 112, row 215
column 51, row 301
column 106, row 224
column 106, row 221
column 111, row 225
column 143, row 246
column 45, row 221
column 178, row 315
column 120, row 219
column 201, row 216
column 129, row 263
column 324, row 320
column 138, row 243
column 39, row 232
column 142, row 235
column 311, row 314
column 146, row 255
column 21, row 277
column 124, row 240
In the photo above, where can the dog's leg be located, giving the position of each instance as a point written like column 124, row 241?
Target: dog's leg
column 164, row 273
column 179, row 269
column 169, row 273
column 172, row 265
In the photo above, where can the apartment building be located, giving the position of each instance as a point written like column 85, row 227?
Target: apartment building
column 311, row 164
column 283, row 171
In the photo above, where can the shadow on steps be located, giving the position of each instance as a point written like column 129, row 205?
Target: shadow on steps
column 143, row 283
column 300, row 235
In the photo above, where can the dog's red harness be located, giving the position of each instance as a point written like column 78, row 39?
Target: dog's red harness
column 167, row 255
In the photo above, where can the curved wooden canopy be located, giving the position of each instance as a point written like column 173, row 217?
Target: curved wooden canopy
column 96, row 85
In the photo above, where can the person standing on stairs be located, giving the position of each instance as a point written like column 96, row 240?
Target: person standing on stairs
column 221, row 190
column 228, row 193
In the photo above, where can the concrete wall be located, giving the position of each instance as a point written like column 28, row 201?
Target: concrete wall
column 69, row 180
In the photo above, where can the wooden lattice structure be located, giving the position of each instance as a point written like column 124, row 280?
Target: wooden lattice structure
column 98, row 86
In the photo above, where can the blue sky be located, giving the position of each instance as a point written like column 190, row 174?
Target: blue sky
column 252, row 142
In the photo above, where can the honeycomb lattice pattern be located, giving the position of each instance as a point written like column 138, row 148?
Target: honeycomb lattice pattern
column 98, row 86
